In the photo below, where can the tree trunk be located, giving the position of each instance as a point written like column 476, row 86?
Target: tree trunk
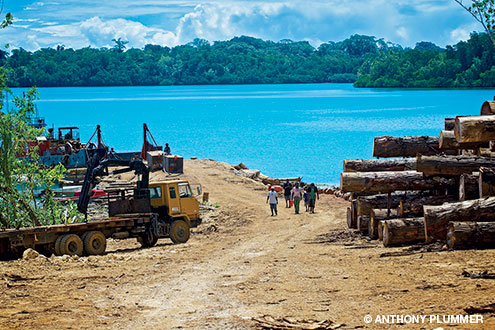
column 351, row 222
column 376, row 215
column 379, row 165
column 474, row 128
column 449, row 124
column 403, row 231
column 463, row 235
column 362, row 223
column 447, row 141
column 366, row 203
column 407, row 146
column 438, row 217
column 392, row 181
column 452, row 165
column 413, row 207
column 469, row 187
column 486, row 182
column 488, row 108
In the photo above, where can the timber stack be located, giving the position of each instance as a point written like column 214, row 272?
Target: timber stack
column 441, row 189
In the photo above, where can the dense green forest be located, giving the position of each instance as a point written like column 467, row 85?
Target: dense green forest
column 364, row 60
column 467, row 64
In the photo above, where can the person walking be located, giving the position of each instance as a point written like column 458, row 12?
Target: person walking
column 306, row 200
column 313, row 195
column 273, row 199
column 296, row 197
column 287, row 192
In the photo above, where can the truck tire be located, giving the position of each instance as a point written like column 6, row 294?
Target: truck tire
column 57, row 245
column 71, row 244
column 94, row 243
column 147, row 239
column 179, row 231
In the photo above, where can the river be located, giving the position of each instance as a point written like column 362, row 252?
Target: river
column 283, row 130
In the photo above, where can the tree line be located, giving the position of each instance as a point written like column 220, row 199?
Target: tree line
column 363, row 60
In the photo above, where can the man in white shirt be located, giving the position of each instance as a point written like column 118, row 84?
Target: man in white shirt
column 273, row 199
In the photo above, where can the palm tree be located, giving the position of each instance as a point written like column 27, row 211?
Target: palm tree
column 120, row 45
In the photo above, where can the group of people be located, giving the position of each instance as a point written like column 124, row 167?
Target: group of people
column 294, row 195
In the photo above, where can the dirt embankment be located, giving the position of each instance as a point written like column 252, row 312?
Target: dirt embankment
column 242, row 264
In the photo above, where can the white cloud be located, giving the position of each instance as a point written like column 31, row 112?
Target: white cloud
column 93, row 22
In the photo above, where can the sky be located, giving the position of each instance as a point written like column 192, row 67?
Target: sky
column 94, row 23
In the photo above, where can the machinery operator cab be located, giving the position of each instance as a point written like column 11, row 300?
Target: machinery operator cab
column 177, row 199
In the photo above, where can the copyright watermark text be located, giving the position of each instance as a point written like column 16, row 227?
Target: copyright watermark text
column 421, row 319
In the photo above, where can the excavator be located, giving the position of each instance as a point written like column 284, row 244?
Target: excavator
column 171, row 204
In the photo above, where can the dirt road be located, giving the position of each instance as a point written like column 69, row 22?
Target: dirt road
column 241, row 264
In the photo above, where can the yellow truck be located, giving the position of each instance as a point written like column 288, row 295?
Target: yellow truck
column 165, row 209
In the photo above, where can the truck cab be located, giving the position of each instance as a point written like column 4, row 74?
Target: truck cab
column 174, row 200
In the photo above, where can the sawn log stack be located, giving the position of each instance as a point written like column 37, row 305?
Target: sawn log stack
column 442, row 189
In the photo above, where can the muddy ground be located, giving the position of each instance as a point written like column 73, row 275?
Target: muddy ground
column 242, row 264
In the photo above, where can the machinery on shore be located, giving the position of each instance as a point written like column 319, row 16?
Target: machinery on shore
column 147, row 212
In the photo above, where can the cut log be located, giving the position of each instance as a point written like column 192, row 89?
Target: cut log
column 486, row 182
column 379, row 165
column 392, row 181
column 380, row 229
column 350, row 220
column 447, row 141
column 403, row 231
column 449, row 124
column 376, row 215
column 474, row 129
column 463, row 235
column 486, row 152
column 366, row 203
column 407, row 146
column 451, row 165
column 362, row 223
column 468, row 187
column 413, row 207
column 354, row 212
column 488, row 108
column 438, row 217
column 356, row 194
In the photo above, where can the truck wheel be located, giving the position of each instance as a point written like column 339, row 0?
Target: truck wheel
column 94, row 243
column 71, row 244
column 179, row 231
column 57, row 245
column 147, row 239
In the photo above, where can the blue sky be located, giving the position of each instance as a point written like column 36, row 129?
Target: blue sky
column 95, row 23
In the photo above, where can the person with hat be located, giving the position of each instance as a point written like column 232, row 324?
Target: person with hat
column 273, row 199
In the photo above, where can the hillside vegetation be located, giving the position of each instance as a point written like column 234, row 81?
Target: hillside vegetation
column 363, row 60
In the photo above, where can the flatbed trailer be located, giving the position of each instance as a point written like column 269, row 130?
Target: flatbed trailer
column 87, row 238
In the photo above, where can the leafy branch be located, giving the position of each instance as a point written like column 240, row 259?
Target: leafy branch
column 483, row 11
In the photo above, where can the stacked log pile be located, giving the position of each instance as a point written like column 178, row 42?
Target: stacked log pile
column 442, row 189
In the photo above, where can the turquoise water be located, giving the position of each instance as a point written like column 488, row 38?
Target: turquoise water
column 282, row 130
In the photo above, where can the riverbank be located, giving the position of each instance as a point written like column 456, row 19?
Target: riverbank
column 242, row 264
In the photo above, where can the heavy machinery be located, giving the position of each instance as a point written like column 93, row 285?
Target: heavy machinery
column 147, row 212
column 173, row 206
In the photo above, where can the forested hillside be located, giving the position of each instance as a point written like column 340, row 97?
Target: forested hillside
column 241, row 60
column 467, row 64
column 365, row 60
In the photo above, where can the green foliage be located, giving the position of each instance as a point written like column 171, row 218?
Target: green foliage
column 484, row 12
column 467, row 64
column 21, row 179
column 9, row 19
column 119, row 45
column 241, row 60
